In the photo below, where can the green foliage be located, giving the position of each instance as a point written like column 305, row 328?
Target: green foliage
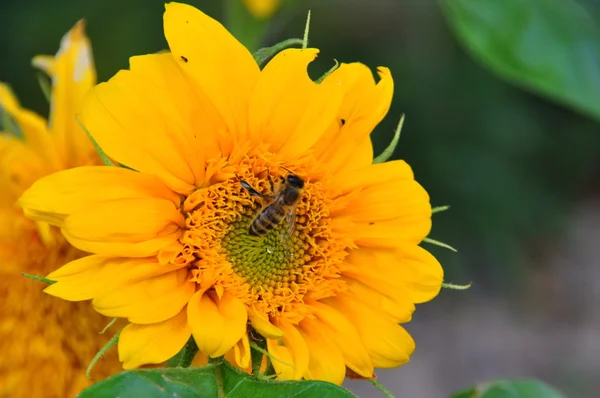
column 215, row 380
column 510, row 389
column 551, row 47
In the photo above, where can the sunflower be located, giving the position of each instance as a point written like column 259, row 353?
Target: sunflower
column 46, row 344
column 211, row 144
column 262, row 9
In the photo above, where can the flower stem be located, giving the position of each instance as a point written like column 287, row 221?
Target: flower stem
column 113, row 341
column 381, row 388
column 184, row 358
column 218, row 362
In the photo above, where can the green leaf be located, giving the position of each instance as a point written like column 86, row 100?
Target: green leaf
column 238, row 384
column 219, row 379
column 157, row 383
column 551, row 47
column 510, row 389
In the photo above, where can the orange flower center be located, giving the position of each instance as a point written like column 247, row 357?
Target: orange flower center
column 275, row 271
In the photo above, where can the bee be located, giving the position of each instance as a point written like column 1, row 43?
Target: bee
column 280, row 206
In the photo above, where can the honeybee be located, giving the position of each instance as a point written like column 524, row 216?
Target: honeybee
column 280, row 206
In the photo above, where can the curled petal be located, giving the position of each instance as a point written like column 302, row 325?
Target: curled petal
column 154, row 343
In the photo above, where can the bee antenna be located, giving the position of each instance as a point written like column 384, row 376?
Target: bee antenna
column 286, row 169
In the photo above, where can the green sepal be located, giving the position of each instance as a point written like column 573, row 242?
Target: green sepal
column 38, row 278
column 439, row 209
column 440, row 244
column 184, row 358
column 329, row 72
column 453, row 286
column 103, row 156
column 112, row 342
column 389, row 151
column 264, row 54
column 45, row 85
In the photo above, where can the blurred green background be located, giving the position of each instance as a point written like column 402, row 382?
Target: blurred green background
column 521, row 172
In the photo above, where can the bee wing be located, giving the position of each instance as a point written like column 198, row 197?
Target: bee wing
column 289, row 221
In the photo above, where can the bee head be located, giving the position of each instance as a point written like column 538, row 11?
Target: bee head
column 295, row 181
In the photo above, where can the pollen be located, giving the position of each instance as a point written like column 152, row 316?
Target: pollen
column 272, row 273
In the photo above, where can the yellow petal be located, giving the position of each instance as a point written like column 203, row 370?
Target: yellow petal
column 394, row 302
column 392, row 200
column 130, row 227
column 125, row 119
column 217, row 323
column 155, row 343
column 346, row 338
column 73, row 74
column 77, row 280
column 219, row 66
column 126, row 220
column 53, row 197
column 90, row 276
column 263, row 326
column 384, row 234
column 407, row 269
column 196, row 119
column 293, row 340
column 147, row 301
column 288, row 110
column 241, row 353
column 326, row 361
column 364, row 106
column 375, row 174
column 388, row 344
column 281, row 359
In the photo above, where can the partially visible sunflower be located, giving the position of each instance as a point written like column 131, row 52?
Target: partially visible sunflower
column 206, row 137
column 262, row 9
column 46, row 344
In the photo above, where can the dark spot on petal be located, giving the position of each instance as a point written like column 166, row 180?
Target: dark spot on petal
column 372, row 223
column 184, row 58
column 343, row 121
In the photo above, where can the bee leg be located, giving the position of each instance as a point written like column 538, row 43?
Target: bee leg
column 271, row 183
column 249, row 188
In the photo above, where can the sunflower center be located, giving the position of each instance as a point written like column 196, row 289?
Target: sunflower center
column 273, row 260
column 289, row 254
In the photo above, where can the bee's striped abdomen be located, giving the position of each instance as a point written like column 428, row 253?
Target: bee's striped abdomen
column 266, row 220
